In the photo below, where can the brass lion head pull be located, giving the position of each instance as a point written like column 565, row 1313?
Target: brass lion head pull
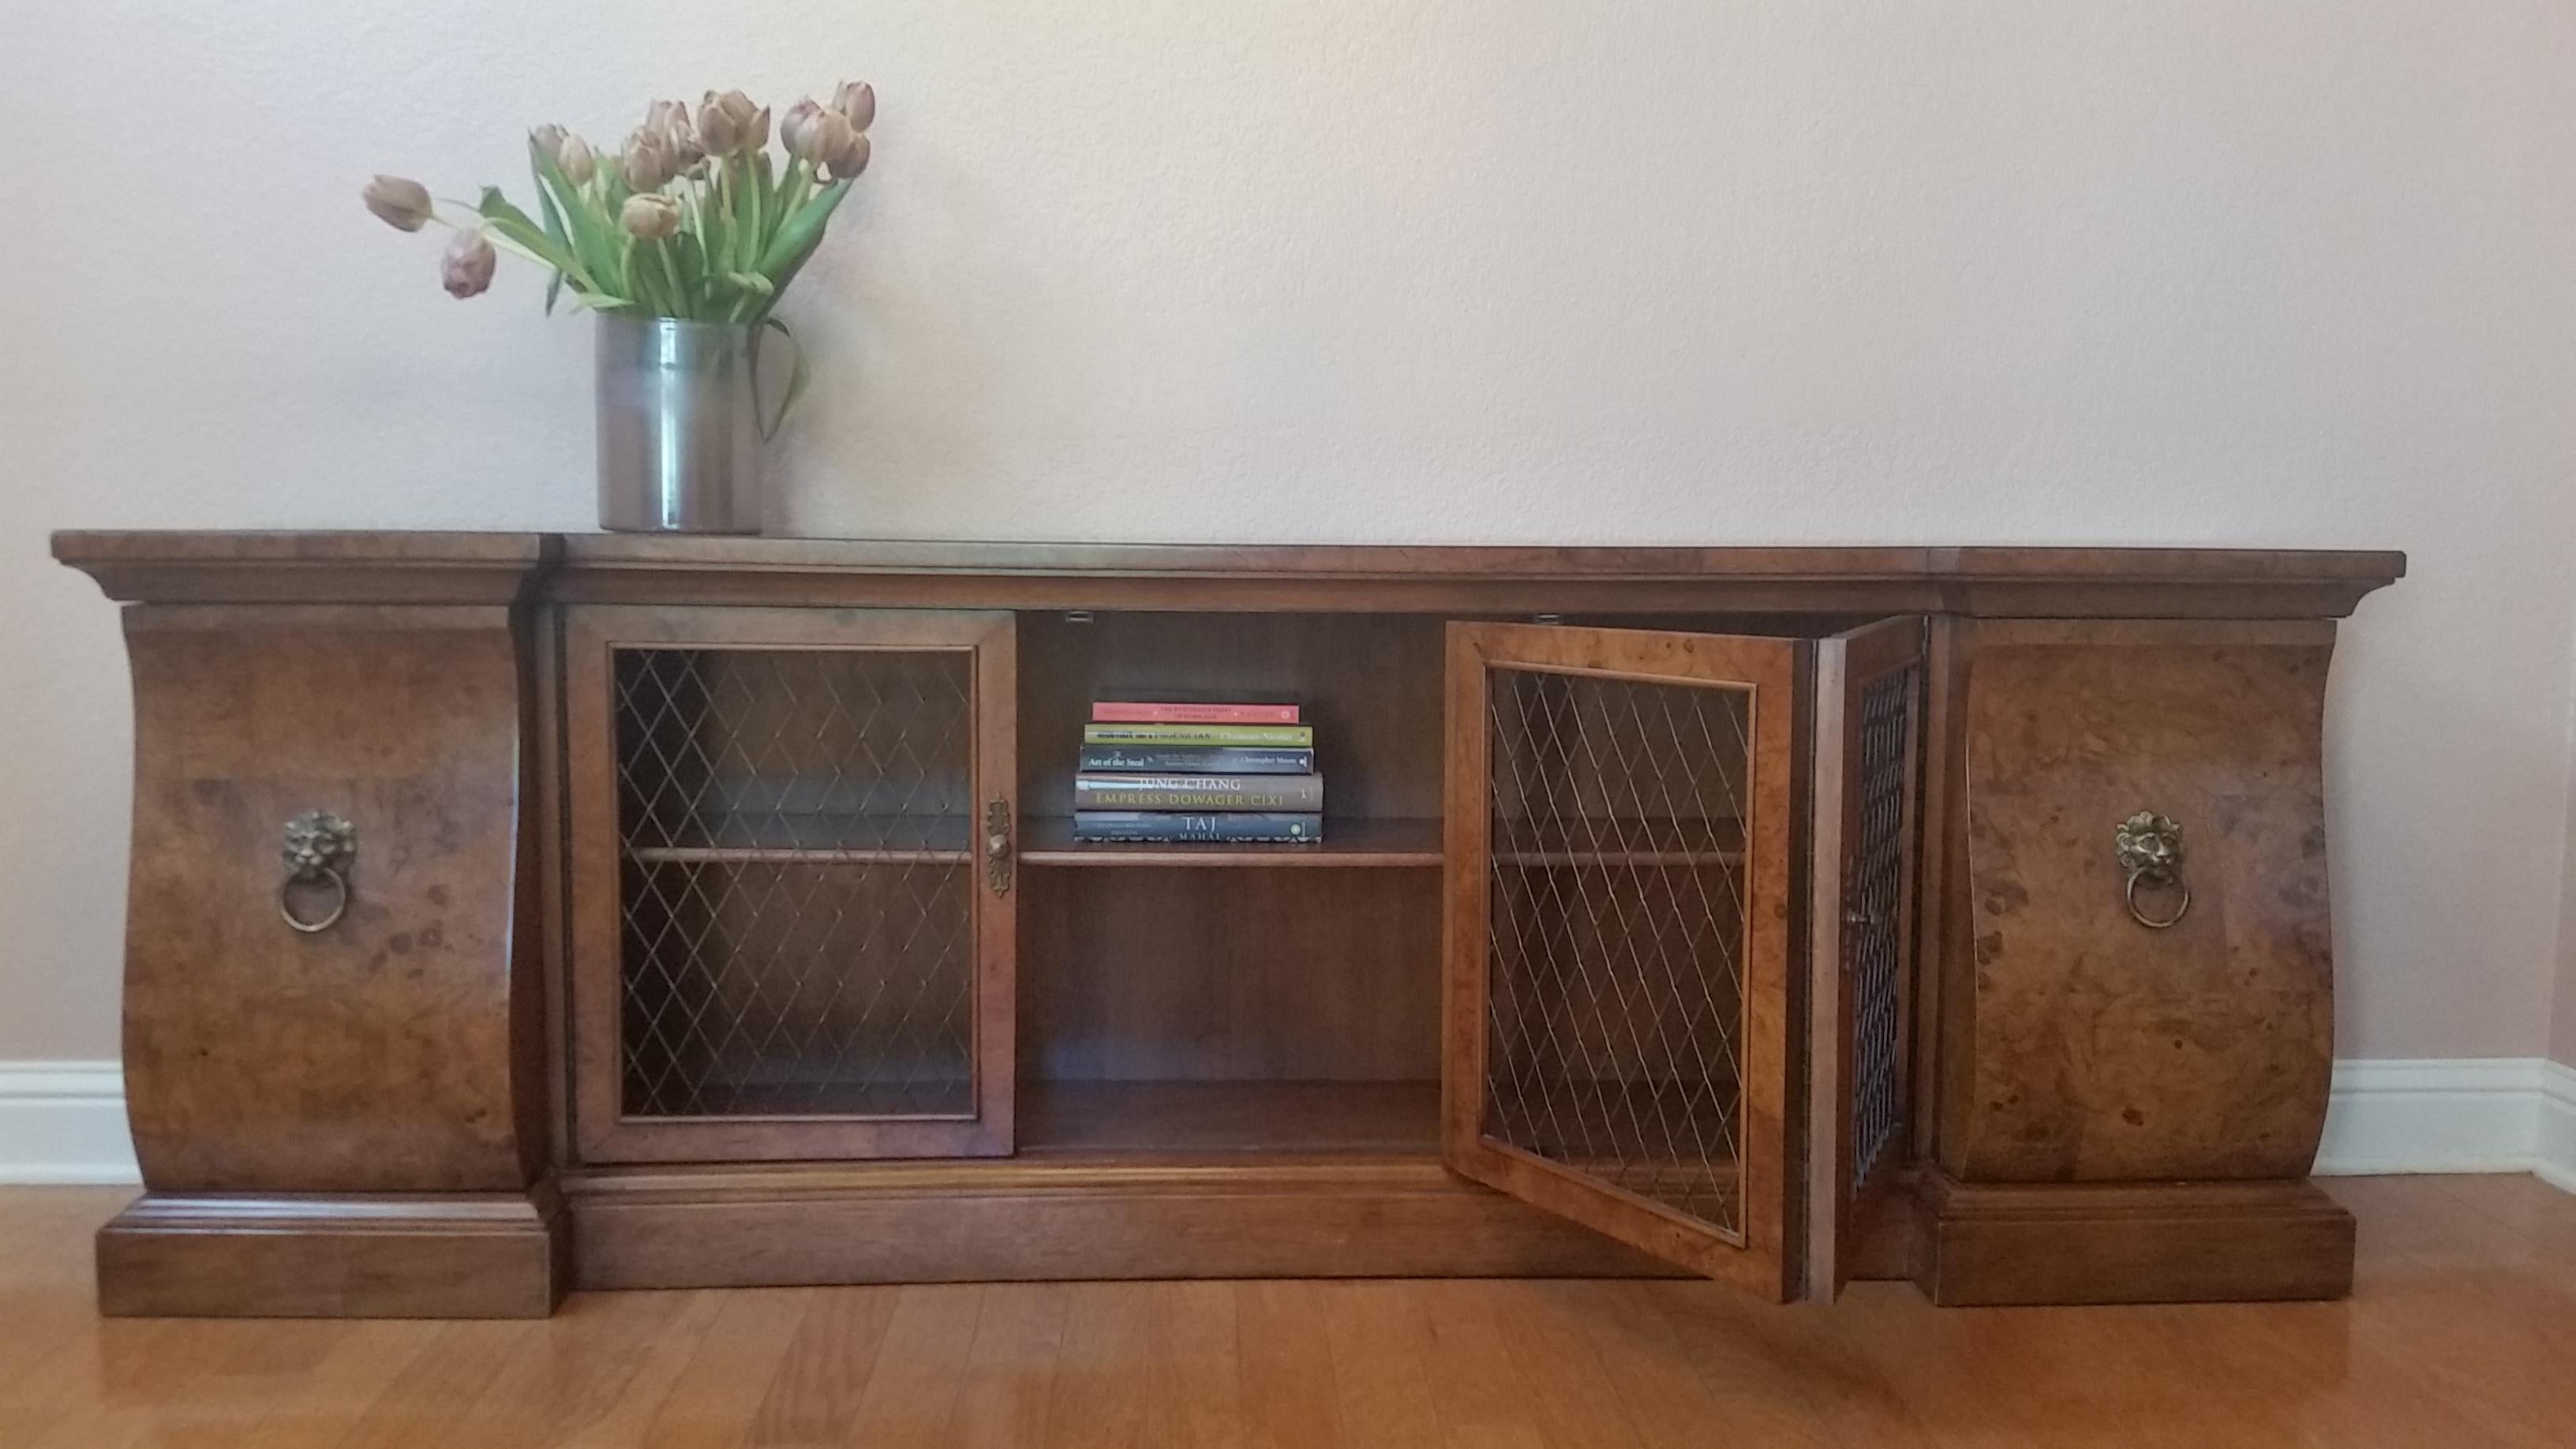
column 320, row 847
column 2150, row 851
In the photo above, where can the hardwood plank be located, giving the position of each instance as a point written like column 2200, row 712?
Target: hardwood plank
column 912, row 1392
column 1475, row 1385
column 1008, row 1376
column 1558, row 1360
column 823, row 1379
column 1104, row 1391
column 427, row 1405
column 1381, row 1345
column 1787, row 1375
column 715, row 1396
column 1671, row 1387
column 1284, row 1345
column 362, row 1367
column 574, row 1370
column 1195, row 1356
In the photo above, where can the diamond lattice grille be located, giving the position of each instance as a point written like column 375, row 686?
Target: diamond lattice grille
column 1873, row 906
column 797, row 882
column 1615, row 982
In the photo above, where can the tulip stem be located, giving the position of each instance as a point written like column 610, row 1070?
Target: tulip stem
column 494, row 237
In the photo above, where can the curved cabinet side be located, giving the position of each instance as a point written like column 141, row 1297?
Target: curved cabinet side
column 291, row 1094
column 2132, row 1112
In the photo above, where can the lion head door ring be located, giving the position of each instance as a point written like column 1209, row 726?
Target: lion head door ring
column 320, row 848
column 2150, row 850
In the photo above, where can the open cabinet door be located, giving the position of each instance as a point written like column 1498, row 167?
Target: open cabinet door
column 1860, row 937
column 1616, row 1007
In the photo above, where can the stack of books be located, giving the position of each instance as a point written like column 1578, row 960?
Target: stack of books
column 1169, row 771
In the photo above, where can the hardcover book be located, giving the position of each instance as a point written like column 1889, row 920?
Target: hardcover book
column 1154, row 826
column 1295, row 737
column 1196, row 760
column 1115, row 711
column 1295, row 793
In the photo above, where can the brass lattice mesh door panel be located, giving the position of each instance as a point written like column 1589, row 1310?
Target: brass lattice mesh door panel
column 791, row 931
column 1875, row 914
column 1617, row 920
column 1617, row 999
column 798, row 888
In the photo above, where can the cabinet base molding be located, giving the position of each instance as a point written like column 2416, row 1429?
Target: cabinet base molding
column 2182, row 1242
column 331, row 1255
column 1400, row 1217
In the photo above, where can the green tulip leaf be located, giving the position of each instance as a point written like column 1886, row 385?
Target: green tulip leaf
column 795, row 377
column 799, row 234
column 593, row 241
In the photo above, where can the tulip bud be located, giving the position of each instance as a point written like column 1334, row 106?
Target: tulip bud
column 731, row 119
column 466, row 268
column 649, row 215
column 850, row 160
column 549, row 138
column 399, row 202
column 576, row 161
column 646, row 161
column 793, row 125
column 857, row 103
column 718, row 132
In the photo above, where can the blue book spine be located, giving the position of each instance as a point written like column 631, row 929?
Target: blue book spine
column 1162, row 826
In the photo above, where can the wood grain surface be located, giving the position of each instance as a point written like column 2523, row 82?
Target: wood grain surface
column 2455, row 1335
column 629, row 568
column 381, row 1055
column 2092, row 1048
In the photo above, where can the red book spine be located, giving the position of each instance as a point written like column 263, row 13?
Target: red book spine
column 1134, row 712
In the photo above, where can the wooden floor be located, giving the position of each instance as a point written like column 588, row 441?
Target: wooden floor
column 2463, row 1332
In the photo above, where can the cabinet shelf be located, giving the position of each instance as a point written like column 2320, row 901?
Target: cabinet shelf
column 1189, row 1119
column 1048, row 840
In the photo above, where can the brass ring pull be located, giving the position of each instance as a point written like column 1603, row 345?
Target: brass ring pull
column 2181, row 908
column 339, row 885
column 320, row 848
column 2150, row 850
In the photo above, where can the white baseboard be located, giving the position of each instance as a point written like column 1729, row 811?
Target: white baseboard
column 64, row 1122
column 2555, row 1159
column 2474, row 1114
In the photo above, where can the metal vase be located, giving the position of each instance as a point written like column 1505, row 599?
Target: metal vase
column 679, row 426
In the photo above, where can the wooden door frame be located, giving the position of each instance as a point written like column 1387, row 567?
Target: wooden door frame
column 1846, row 665
column 594, row 940
column 1757, row 1257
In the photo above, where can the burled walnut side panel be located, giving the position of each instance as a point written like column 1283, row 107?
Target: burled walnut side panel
column 376, row 1056
column 2100, row 1050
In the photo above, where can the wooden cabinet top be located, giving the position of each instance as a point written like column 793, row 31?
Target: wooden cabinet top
column 435, row 567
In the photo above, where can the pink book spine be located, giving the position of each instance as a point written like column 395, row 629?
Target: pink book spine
column 1134, row 712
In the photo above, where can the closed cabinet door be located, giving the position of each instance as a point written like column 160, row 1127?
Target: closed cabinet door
column 1617, row 1007
column 790, row 836
column 1861, row 933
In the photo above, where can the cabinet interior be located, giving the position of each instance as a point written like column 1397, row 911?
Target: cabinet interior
column 799, row 827
column 1199, row 999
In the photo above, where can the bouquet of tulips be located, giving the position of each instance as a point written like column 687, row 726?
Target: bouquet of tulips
column 691, row 219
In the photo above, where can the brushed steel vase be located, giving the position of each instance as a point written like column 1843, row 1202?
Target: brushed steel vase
column 680, row 426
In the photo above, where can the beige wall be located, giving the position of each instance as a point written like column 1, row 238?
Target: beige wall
column 1810, row 270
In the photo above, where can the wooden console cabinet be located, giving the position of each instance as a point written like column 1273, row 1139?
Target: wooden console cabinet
column 515, row 912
